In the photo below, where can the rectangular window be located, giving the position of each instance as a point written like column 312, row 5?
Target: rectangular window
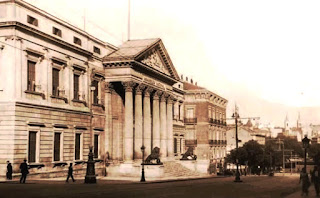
column 32, row 146
column 57, row 144
column 96, row 50
column 180, row 145
column 189, row 113
column 175, row 145
column 179, row 112
column 95, row 84
column 31, row 75
column 96, row 146
column 56, row 31
column 77, row 40
column 76, row 86
column 55, row 82
column 32, row 20
column 77, row 146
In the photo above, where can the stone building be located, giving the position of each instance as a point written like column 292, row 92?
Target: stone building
column 49, row 113
column 143, row 91
column 205, row 123
column 63, row 90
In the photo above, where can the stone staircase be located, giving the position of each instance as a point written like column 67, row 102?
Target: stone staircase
column 174, row 169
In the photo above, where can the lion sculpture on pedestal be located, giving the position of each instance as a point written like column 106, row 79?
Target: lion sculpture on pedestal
column 189, row 155
column 154, row 156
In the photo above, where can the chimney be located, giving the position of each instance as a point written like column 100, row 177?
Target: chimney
column 191, row 81
column 181, row 77
column 187, row 78
column 196, row 83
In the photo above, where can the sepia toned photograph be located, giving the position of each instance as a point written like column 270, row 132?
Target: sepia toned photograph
column 157, row 99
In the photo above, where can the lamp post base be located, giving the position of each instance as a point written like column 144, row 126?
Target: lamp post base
column 237, row 179
column 143, row 179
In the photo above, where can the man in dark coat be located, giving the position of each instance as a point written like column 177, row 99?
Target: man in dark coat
column 9, row 171
column 315, row 179
column 24, row 171
column 70, row 173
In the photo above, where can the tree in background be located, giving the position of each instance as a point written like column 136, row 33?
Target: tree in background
column 314, row 153
column 242, row 156
column 255, row 155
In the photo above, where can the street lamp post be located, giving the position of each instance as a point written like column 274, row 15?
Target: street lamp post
column 305, row 143
column 143, row 179
column 90, row 173
column 236, row 116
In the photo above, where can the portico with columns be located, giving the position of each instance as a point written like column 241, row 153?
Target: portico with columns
column 140, row 79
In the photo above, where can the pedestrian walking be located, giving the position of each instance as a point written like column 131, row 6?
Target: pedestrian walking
column 70, row 173
column 315, row 179
column 9, row 171
column 24, row 171
column 304, row 179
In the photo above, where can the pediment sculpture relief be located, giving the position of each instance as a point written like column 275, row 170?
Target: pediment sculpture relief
column 152, row 59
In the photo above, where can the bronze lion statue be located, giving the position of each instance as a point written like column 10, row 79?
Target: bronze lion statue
column 154, row 156
column 189, row 155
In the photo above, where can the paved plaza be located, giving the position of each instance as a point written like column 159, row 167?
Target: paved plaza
column 252, row 186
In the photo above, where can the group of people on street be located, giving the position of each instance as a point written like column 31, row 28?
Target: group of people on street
column 304, row 180
column 24, row 169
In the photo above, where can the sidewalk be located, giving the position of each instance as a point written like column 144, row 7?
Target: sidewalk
column 113, row 179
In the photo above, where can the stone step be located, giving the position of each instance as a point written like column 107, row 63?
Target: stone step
column 174, row 169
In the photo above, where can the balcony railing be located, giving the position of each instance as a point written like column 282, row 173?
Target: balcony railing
column 218, row 142
column 190, row 120
column 218, row 122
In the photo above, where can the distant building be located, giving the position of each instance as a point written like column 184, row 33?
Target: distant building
column 245, row 134
column 295, row 132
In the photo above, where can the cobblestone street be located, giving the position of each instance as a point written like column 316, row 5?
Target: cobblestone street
column 252, row 186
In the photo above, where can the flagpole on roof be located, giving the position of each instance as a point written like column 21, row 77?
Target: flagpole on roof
column 128, row 20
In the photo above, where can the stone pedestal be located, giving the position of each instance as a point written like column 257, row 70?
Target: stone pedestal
column 134, row 170
column 200, row 166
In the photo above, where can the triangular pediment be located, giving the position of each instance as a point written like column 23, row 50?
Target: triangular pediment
column 156, row 56
column 154, row 60
column 150, row 53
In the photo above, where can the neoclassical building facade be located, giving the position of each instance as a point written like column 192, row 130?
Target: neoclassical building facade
column 140, row 98
column 63, row 91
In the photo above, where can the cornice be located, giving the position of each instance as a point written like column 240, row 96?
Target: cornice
column 24, row 27
column 31, row 105
column 154, row 73
column 60, row 22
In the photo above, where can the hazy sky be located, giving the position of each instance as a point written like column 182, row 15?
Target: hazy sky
column 262, row 49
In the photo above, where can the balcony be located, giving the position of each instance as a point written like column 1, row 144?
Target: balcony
column 213, row 142
column 217, row 142
column 190, row 120
column 191, row 143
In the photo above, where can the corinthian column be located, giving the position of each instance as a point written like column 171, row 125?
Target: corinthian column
column 163, row 126
column 108, row 120
column 170, row 128
column 128, row 121
column 138, row 123
column 147, row 121
column 156, row 120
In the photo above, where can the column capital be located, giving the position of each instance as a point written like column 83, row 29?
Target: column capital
column 157, row 94
column 148, row 91
column 164, row 97
column 171, row 99
column 108, row 87
column 140, row 88
column 128, row 86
